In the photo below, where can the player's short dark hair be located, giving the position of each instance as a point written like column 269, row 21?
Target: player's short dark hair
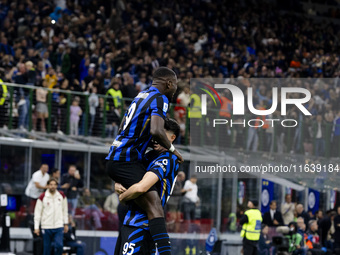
column 172, row 126
column 163, row 72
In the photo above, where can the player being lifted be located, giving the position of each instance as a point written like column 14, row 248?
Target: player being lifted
column 161, row 171
column 144, row 120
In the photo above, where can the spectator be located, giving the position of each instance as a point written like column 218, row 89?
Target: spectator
column 183, row 100
column 55, row 174
column 93, row 103
column 3, row 103
column 313, row 240
column 23, row 102
column 88, row 202
column 31, row 74
column 324, row 229
column 51, row 78
column 301, row 228
column 111, row 205
column 273, row 218
column 319, row 135
column 295, row 240
column 37, row 185
column 70, row 238
column 190, row 199
column 113, row 109
column 71, row 182
column 287, row 210
column 302, row 213
column 173, row 205
column 264, row 242
column 141, row 84
column 41, row 107
column 251, row 228
column 319, row 216
column 75, row 112
column 51, row 212
column 128, row 89
column 311, row 215
column 177, row 42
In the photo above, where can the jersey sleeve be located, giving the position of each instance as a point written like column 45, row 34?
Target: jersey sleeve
column 159, row 106
column 160, row 166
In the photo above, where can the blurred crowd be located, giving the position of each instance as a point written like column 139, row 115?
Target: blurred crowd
column 112, row 47
column 307, row 232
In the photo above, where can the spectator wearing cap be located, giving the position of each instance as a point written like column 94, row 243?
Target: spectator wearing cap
column 251, row 228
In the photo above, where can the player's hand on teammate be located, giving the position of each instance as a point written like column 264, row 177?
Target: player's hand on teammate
column 179, row 156
column 121, row 199
column 119, row 188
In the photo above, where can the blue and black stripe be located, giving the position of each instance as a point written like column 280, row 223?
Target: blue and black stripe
column 131, row 143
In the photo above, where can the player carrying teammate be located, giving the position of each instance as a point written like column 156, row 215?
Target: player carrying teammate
column 162, row 169
column 144, row 120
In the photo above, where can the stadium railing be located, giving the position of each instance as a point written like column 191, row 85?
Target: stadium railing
column 300, row 139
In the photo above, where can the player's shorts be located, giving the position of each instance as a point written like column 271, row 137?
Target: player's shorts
column 125, row 173
column 136, row 241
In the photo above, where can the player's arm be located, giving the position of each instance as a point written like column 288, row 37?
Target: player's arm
column 158, row 133
column 139, row 188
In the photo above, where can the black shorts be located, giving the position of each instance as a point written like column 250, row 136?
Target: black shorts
column 125, row 173
column 135, row 241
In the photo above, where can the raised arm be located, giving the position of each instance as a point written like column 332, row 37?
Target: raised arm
column 158, row 133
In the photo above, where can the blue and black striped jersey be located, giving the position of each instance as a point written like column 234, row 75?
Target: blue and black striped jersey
column 131, row 143
column 165, row 166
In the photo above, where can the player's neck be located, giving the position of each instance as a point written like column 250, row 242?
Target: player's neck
column 159, row 87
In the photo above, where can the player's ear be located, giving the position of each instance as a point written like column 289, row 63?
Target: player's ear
column 173, row 137
column 168, row 84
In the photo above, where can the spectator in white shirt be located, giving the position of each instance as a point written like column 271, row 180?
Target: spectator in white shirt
column 190, row 199
column 51, row 213
column 37, row 185
column 111, row 205
column 287, row 210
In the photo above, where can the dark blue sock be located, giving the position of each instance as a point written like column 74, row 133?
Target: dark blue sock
column 160, row 235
